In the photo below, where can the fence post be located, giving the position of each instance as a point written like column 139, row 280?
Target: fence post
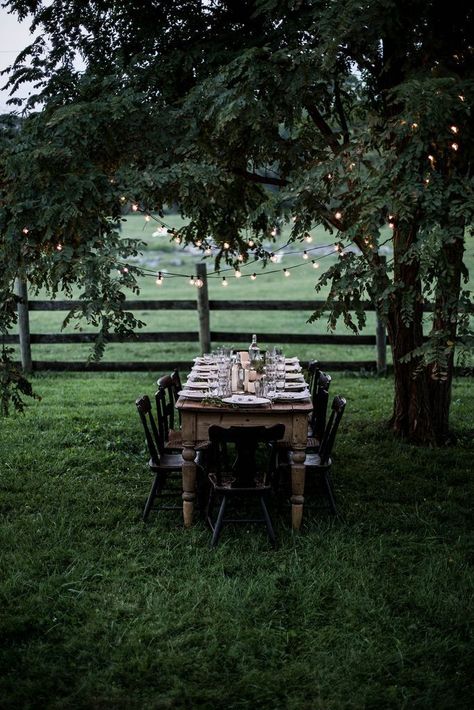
column 24, row 325
column 381, row 343
column 203, row 310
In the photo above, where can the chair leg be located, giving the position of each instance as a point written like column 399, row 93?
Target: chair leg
column 271, row 532
column 151, row 496
column 219, row 523
column 332, row 502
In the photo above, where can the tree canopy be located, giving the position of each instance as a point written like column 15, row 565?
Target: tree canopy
column 358, row 112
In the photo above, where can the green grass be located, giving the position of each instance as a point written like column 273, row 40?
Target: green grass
column 370, row 610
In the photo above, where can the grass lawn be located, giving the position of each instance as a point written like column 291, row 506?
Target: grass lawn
column 369, row 610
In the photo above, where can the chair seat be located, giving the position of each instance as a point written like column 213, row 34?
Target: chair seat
column 313, row 460
column 168, row 462
column 226, row 482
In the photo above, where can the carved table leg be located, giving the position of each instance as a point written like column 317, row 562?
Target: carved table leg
column 189, row 483
column 297, row 486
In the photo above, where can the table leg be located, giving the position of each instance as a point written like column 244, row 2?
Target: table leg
column 297, row 486
column 189, row 483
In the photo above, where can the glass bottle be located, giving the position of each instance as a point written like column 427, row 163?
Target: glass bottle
column 254, row 351
column 237, row 375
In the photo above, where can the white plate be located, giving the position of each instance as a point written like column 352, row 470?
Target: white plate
column 196, row 385
column 292, row 361
column 291, row 396
column 292, row 368
column 205, row 368
column 191, row 394
column 246, row 400
column 295, row 386
column 294, row 376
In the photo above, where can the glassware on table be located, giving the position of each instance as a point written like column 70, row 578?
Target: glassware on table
column 280, row 373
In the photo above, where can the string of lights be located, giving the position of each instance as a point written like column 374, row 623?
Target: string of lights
column 272, row 256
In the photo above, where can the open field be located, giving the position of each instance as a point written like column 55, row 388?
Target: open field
column 159, row 254
column 370, row 610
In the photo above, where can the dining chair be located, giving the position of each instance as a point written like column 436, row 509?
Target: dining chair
column 319, row 463
column 165, row 399
column 320, row 397
column 248, row 476
column 161, row 464
column 168, row 415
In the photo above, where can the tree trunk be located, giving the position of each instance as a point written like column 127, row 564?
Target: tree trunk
column 445, row 322
column 422, row 393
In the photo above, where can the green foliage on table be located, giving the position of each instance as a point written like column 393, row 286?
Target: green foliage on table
column 246, row 116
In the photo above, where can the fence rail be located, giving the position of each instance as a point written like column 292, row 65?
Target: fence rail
column 203, row 334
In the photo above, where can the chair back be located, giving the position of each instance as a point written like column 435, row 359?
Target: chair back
column 246, row 441
column 327, row 443
column 177, row 387
column 165, row 385
column 153, row 439
column 313, row 374
column 162, row 413
column 320, row 399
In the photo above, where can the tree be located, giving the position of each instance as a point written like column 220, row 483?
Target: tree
column 359, row 112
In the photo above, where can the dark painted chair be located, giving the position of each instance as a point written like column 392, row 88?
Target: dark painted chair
column 161, row 464
column 249, row 476
column 320, row 463
column 167, row 414
column 320, row 398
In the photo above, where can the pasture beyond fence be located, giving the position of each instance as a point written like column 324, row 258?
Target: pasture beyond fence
column 204, row 335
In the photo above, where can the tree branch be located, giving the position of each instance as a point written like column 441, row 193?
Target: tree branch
column 255, row 177
column 324, row 127
column 340, row 112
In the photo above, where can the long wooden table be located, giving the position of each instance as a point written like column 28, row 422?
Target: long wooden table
column 197, row 417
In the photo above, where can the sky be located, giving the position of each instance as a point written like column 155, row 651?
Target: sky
column 14, row 36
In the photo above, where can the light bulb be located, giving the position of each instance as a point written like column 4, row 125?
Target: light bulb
column 338, row 215
column 253, row 276
column 208, row 251
column 159, row 279
column 147, row 218
column 199, row 283
column 191, row 281
column 240, row 257
column 286, row 272
column 414, row 126
column 273, row 232
column 431, row 158
column 224, row 281
column 273, row 257
column 177, row 240
column 455, row 146
column 226, row 245
column 308, row 238
column 135, row 207
column 315, row 264
column 198, row 242
column 25, row 230
column 59, row 247
column 251, row 243
column 305, row 255
column 454, row 129
column 237, row 273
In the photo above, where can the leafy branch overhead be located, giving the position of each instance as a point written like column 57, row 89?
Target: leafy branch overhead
column 357, row 117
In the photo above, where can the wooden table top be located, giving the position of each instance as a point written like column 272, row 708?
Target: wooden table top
column 192, row 405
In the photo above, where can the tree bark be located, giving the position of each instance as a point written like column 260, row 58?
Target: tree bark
column 445, row 321
column 422, row 393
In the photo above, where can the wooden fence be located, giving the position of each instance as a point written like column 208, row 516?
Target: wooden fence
column 204, row 335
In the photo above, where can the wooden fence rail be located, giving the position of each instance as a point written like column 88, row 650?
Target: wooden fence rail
column 204, row 335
